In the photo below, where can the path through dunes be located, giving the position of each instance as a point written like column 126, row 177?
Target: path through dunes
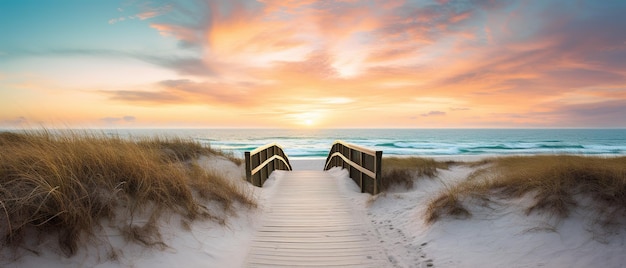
column 309, row 222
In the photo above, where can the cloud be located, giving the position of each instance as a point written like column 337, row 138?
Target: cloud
column 337, row 100
column 146, row 11
column 236, row 34
column 116, row 120
column 19, row 121
column 129, row 118
column 434, row 113
column 151, row 12
column 182, row 65
column 598, row 114
column 188, row 36
column 110, row 120
column 163, row 97
column 116, row 20
column 184, row 91
column 318, row 65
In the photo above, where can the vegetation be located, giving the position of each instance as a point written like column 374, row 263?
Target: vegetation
column 402, row 171
column 65, row 184
column 557, row 183
column 178, row 149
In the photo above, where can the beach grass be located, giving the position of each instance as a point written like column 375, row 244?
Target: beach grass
column 64, row 184
column 403, row 170
column 556, row 183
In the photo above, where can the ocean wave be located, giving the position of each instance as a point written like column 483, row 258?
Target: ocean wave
column 565, row 146
column 298, row 151
column 432, row 142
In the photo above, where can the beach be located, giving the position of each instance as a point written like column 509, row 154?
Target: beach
column 496, row 232
column 495, row 237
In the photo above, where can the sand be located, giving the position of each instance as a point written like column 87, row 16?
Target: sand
column 499, row 236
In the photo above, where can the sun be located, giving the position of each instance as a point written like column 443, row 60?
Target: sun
column 306, row 119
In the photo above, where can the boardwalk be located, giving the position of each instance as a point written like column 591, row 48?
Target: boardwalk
column 310, row 223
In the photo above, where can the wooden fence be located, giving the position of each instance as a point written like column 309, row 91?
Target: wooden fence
column 262, row 161
column 363, row 164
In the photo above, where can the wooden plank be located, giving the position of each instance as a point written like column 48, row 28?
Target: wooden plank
column 310, row 240
column 304, row 229
column 310, row 246
column 310, row 223
column 315, row 252
column 293, row 234
column 319, row 262
column 346, row 259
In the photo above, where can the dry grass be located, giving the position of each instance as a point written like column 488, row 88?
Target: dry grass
column 65, row 184
column 401, row 171
column 179, row 149
column 557, row 183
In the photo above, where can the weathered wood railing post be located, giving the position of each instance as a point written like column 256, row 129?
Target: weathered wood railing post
column 262, row 161
column 363, row 165
column 248, row 167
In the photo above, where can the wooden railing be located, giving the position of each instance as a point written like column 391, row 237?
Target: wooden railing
column 262, row 161
column 363, row 164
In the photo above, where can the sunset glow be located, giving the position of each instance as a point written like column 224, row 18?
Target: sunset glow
column 322, row 64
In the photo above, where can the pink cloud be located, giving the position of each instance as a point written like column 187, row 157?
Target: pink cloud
column 178, row 32
column 151, row 12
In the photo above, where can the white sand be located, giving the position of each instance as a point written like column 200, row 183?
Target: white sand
column 308, row 164
column 207, row 244
column 500, row 236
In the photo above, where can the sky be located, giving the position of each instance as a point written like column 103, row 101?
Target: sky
column 313, row 64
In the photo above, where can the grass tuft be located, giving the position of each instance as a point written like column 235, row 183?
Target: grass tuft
column 65, row 184
column 402, row 171
column 557, row 183
column 446, row 205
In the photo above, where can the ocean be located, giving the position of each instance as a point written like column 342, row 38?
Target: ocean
column 310, row 143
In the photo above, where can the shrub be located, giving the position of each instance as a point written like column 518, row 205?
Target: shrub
column 65, row 184
column 555, row 181
column 401, row 171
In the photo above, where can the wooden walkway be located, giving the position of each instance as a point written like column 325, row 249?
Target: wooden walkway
column 309, row 223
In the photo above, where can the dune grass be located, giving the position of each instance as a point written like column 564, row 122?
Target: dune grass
column 179, row 149
column 402, row 170
column 557, row 184
column 65, row 184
